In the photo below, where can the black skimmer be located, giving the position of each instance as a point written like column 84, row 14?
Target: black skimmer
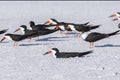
column 58, row 54
column 3, row 31
column 95, row 36
column 38, row 33
column 116, row 14
column 55, row 22
column 16, row 37
column 82, row 28
column 39, row 27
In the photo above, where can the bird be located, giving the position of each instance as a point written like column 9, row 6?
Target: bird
column 96, row 36
column 82, row 28
column 116, row 14
column 26, row 31
column 16, row 37
column 3, row 31
column 39, row 27
column 55, row 52
column 55, row 22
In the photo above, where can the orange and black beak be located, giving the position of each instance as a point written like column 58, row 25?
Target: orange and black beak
column 115, row 19
column 17, row 29
column 68, row 27
column 57, row 27
column 49, row 52
column 48, row 22
column 113, row 15
column 3, row 39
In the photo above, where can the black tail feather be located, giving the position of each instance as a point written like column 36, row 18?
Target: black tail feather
column 85, row 53
column 113, row 33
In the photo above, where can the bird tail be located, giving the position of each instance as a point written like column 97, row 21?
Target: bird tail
column 85, row 53
column 94, row 27
column 113, row 33
column 86, row 23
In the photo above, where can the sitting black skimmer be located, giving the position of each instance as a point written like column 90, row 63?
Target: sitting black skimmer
column 39, row 27
column 16, row 37
column 24, row 29
column 95, row 36
column 116, row 14
column 58, row 54
column 3, row 31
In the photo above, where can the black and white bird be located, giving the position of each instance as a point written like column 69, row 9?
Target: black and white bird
column 26, row 31
column 95, row 36
column 39, row 27
column 55, row 22
column 55, row 52
column 82, row 28
column 16, row 37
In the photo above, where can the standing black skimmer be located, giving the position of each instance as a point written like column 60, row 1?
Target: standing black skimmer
column 82, row 28
column 54, row 22
column 36, row 32
column 95, row 36
column 116, row 14
column 39, row 27
column 3, row 31
column 16, row 37
column 58, row 54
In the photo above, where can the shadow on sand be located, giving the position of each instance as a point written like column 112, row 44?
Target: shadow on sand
column 52, row 39
column 34, row 44
column 108, row 45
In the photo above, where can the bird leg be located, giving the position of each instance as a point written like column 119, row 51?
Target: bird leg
column 67, row 33
column 30, row 40
column 60, row 32
column 91, row 44
column 15, row 43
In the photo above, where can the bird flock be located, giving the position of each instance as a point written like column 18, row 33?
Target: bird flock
column 52, row 25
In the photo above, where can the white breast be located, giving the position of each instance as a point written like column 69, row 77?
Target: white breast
column 8, row 37
column 72, row 27
column 84, row 35
column 62, row 27
column 53, row 53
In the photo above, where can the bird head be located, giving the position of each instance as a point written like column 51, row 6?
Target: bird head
column 70, row 27
column 22, row 28
column 116, row 14
column 52, row 51
column 7, row 36
column 51, row 22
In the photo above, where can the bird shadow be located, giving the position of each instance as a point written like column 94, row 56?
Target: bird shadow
column 108, row 45
column 52, row 39
column 34, row 44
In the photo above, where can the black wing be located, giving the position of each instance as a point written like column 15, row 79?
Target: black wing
column 92, row 37
column 72, row 54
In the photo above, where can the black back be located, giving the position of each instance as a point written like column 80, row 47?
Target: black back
column 72, row 54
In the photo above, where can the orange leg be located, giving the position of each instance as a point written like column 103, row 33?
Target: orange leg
column 15, row 43
column 91, row 44
column 60, row 32
column 30, row 40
